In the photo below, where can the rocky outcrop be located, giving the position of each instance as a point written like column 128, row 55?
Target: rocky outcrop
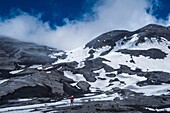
column 88, row 70
column 151, row 53
column 7, row 64
column 109, row 39
column 39, row 79
column 121, row 37
column 153, row 77
column 83, row 85
column 22, row 81
column 93, row 65
column 12, row 50
column 111, row 75
column 153, row 30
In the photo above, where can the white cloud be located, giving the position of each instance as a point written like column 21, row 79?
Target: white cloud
column 111, row 15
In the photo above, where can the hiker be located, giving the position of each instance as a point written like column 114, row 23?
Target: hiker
column 71, row 100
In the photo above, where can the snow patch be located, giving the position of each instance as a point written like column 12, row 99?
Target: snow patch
column 79, row 54
column 101, row 50
column 2, row 81
column 101, row 97
column 152, row 89
column 40, row 68
column 140, row 62
column 75, row 77
column 81, row 64
column 16, row 71
column 50, row 67
column 35, row 66
column 48, row 72
column 55, row 55
column 121, row 44
column 62, row 103
column 158, row 110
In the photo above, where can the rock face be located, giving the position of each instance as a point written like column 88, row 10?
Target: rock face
column 83, row 85
column 120, row 37
column 109, row 39
column 23, row 53
column 130, row 69
column 20, row 76
column 36, row 79
column 151, row 53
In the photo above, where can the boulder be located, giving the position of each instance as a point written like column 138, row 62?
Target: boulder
column 6, row 64
column 111, row 75
column 83, row 85
column 39, row 79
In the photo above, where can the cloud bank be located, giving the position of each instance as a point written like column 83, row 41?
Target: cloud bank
column 109, row 15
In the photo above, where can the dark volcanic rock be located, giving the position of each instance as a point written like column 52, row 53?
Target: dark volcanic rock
column 29, row 91
column 125, row 69
column 153, row 30
column 114, row 80
column 121, row 37
column 111, row 75
column 89, row 75
column 27, row 72
column 83, row 85
column 132, row 61
column 168, row 47
column 50, row 85
column 151, row 53
column 109, row 39
column 71, row 90
column 87, row 70
column 96, row 64
column 25, row 53
column 67, row 66
column 153, row 77
column 7, row 64
column 93, row 65
column 132, row 104
column 100, row 78
column 36, row 79
column 91, row 54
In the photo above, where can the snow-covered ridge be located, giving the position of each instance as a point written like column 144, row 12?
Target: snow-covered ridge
column 116, row 59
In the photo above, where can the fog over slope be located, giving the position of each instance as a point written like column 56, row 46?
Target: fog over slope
column 108, row 15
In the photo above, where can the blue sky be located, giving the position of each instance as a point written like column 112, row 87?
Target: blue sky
column 160, row 9
column 54, row 11
column 68, row 24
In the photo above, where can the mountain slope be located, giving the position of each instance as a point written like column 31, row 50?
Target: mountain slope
column 129, row 65
column 22, row 75
column 131, row 57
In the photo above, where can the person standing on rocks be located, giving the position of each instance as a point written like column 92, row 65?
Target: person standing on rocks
column 71, row 100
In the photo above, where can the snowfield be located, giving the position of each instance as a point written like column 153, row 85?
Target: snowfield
column 117, row 58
